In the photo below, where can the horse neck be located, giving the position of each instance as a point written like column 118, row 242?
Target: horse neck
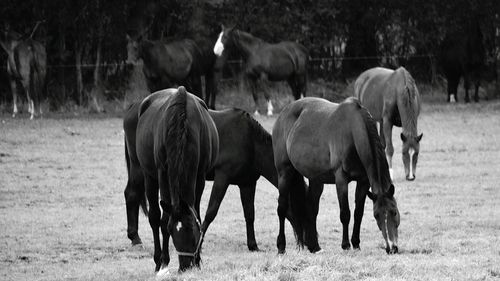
column 264, row 161
column 246, row 43
column 408, row 105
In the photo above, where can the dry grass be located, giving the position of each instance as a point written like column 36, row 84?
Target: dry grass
column 62, row 212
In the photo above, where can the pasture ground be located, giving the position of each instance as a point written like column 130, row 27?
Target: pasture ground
column 62, row 211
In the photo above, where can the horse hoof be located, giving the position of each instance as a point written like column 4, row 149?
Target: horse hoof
column 136, row 241
column 346, row 247
column 318, row 251
column 281, row 252
column 254, row 248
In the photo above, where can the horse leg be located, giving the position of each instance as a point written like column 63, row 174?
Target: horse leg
column 218, row 192
column 165, row 197
column 452, row 89
column 134, row 194
column 252, row 83
column 27, row 90
column 314, row 195
column 389, row 148
column 362, row 187
column 210, row 90
column 13, row 88
column 247, row 195
column 381, row 132
column 466, row 87
column 151, row 185
column 345, row 212
column 285, row 180
column 265, row 88
column 200, row 186
column 476, row 90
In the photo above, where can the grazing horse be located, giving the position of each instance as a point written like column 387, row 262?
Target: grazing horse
column 176, row 144
column 245, row 154
column 331, row 143
column 284, row 61
column 392, row 98
column 26, row 65
column 168, row 63
column 462, row 54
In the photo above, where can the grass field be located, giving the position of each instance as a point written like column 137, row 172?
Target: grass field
column 62, row 211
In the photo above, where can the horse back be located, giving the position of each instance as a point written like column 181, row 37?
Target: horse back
column 375, row 91
column 301, row 136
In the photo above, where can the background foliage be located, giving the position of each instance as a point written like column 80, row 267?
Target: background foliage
column 86, row 43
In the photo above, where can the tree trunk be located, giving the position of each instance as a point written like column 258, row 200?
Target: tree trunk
column 78, row 69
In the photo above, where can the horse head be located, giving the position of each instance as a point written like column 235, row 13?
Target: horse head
column 185, row 229
column 225, row 39
column 385, row 211
column 411, row 148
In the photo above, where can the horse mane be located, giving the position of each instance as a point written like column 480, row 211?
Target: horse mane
column 377, row 150
column 171, row 143
column 409, row 99
column 259, row 133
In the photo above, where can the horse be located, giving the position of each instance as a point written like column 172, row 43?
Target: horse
column 26, row 65
column 176, row 62
column 462, row 54
column 283, row 61
column 331, row 143
column 172, row 147
column 392, row 98
column 245, row 154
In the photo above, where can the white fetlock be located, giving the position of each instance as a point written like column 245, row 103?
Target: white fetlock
column 452, row 99
column 256, row 113
column 162, row 273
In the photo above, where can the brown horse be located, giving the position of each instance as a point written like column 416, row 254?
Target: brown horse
column 26, row 65
column 284, row 61
column 392, row 98
column 169, row 63
column 331, row 143
column 245, row 154
column 174, row 145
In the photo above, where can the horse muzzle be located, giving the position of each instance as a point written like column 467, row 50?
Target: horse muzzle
column 410, row 177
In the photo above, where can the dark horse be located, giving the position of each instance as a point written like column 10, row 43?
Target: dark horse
column 245, row 154
column 284, row 61
column 26, row 65
column 393, row 99
column 462, row 54
column 331, row 143
column 174, row 145
column 169, row 63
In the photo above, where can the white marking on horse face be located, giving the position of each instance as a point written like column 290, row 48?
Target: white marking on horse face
column 219, row 47
column 411, row 151
column 178, row 226
column 389, row 242
column 452, row 98
column 269, row 108
column 391, row 173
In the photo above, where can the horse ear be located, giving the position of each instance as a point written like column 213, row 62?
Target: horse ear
column 403, row 137
column 390, row 192
column 420, row 137
column 372, row 196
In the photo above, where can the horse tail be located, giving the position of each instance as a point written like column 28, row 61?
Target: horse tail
column 298, row 209
column 171, row 143
column 365, row 138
